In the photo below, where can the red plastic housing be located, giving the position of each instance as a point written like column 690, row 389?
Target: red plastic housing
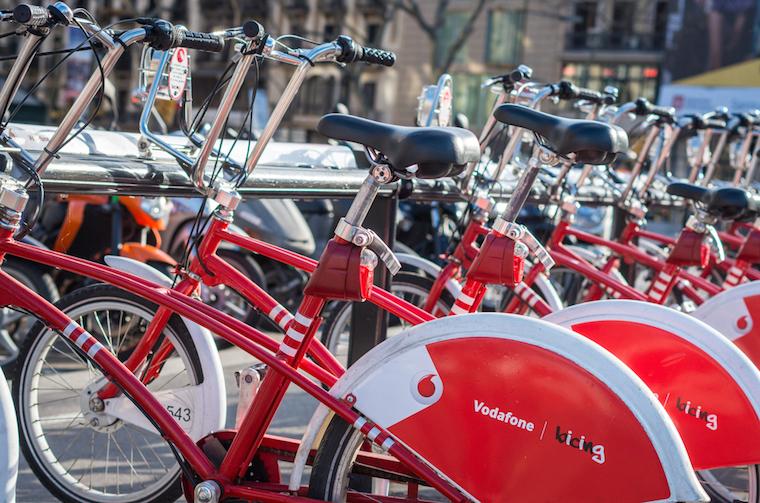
column 496, row 263
column 340, row 275
column 689, row 250
column 750, row 250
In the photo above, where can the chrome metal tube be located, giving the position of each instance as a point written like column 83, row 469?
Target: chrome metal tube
column 753, row 166
column 363, row 201
column 318, row 54
column 671, row 134
column 713, row 164
column 87, row 94
column 695, row 169
column 648, row 142
column 523, row 188
column 225, row 107
column 185, row 161
column 741, row 165
column 18, row 70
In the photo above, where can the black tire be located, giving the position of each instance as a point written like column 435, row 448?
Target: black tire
column 39, row 281
column 167, row 490
column 333, row 472
column 719, row 484
column 404, row 283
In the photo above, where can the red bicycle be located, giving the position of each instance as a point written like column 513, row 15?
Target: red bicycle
column 547, row 437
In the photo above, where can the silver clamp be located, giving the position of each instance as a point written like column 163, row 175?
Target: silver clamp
column 367, row 238
column 702, row 224
column 13, row 199
column 226, row 195
column 525, row 238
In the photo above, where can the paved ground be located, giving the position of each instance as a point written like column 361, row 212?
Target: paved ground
column 290, row 421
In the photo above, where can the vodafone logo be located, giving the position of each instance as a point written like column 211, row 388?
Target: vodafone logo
column 426, row 387
column 743, row 324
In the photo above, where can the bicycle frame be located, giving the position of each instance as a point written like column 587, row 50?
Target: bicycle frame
column 284, row 368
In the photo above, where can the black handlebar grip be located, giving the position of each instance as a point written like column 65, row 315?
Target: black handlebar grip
column 197, row 40
column 30, row 15
column 377, row 56
column 252, row 29
column 590, row 95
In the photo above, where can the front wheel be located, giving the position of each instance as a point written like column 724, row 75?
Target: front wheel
column 336, row 470
column 732, row 485
column 79, row 451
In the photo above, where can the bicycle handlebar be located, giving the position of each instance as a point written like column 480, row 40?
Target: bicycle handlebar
column 163, row 35
column 351, row 52
column 34, row 16
column 644, row 107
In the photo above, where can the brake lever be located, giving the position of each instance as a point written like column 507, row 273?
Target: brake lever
column 383, row 252
column 717, row 243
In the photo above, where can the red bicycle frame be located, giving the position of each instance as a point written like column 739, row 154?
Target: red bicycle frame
column 284, row 368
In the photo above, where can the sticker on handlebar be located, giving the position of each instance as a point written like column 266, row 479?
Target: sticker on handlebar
column 179, row 69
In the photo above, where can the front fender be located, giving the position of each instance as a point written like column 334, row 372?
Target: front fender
column 215, row 415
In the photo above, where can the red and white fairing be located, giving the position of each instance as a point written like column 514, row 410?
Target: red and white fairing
column 710, row 389
column 735, row 313
column 517, row 409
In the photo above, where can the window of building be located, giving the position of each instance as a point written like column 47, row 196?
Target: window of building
column 584, row 21
column 633, row 80
column 453, row 23
column 504, row 37
column 374, row 33
column 660, row 23
column 470, row 99
column 623, row 14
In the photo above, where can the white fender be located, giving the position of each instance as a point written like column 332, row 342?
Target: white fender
column 8, row 444
column 685, row 326
column 430, row 268
column 213, row 390
column 543, row 284
column 546, row 289
column 708, row 386
column 388, row 365
column 735, row 313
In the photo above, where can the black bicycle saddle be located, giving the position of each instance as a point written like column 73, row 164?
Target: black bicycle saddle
column 592, row 142
column 430, row 152
column 727, row 203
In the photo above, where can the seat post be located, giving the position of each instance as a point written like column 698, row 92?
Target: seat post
column 379, row 174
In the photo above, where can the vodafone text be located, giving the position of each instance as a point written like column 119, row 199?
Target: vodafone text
column 505, row 417
column 579, row 442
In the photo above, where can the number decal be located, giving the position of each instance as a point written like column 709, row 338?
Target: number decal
column 180, row 413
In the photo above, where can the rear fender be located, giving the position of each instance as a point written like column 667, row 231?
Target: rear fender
column 710, row 389
column 212, row 387
column 513, row 408
column 735, row 313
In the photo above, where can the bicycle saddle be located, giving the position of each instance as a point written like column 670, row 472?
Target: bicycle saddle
column 436, row 152
column 727, row 203
column 592, row 142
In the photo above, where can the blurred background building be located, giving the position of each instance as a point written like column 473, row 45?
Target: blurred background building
column 626, row 43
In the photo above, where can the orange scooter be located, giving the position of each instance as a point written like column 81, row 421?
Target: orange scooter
column 76, row 224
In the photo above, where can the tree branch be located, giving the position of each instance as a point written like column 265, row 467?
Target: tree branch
column 413, row 9
column 464, row 33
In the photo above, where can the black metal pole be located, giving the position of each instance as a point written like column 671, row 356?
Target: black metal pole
column 369, row 324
